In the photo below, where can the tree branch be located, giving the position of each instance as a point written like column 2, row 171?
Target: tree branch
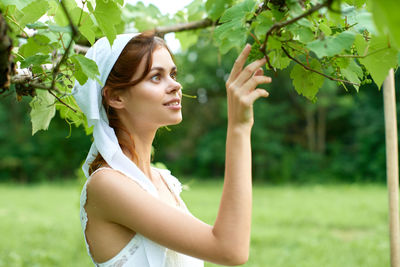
column 320, row 73
column 282, row 24
column 193, row 25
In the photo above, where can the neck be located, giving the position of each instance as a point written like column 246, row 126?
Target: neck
column 142, row 143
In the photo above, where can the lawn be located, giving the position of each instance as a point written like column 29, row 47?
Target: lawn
column 312, row 225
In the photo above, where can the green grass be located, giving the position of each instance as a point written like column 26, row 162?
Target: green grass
column 313, row 225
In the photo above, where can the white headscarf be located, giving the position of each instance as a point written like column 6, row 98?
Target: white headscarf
column 89, row 99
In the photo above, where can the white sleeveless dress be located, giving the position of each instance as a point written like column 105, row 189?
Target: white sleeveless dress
column 141, row 251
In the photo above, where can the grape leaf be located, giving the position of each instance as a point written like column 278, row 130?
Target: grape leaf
column 32, row 12
column 215, row 8
column 263, row 22
column 278, row 59
column 186, row 39
column 230, row 34
column 108, row 16
column 84, row 68
column 19, row 4
column 86, row 26
column 380, row 59
column 35, row 44
column 35, row 60
column 240, row 11
column 332, row 45
column 195, row 10
column 387, row 19
column 398, row 57
column 42, row 110
column 325, row 29
column 353, row 73
column 302, row 34
column 233, row 31
column 305, row 82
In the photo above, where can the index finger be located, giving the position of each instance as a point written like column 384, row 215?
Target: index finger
column 239, row 62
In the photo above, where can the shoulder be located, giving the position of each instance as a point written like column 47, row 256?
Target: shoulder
column 104, row 178
column 109, row 189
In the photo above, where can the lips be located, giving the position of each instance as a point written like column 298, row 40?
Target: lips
column 173, row 102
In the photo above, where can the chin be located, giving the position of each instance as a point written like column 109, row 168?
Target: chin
column 175, row 121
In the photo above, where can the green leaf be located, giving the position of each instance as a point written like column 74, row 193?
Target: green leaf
column 42, row 110
column 86, row 27
column 215, row 8
column 84, row 68
column 239, row 11
column 255, row 52
column 352, row 73
column 35, row 60
column 360, row 44
column 186, row 39
column 325, row 29
column 57, row 29
column 195, row 10
column 37, row 25
column 380, row 59
column 305, row 82
column 387, row 19
column 332, row 45
column 356, row 3
column 108, row 16
column 35, row 44
column 278, row 59
column 19, row 4
column 229, row 35
column 263, row 22
column 398, row 57
column 60, row 18
column 302, row 34
column 32, row 12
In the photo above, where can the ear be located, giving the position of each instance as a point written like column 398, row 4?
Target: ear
column 113, row 98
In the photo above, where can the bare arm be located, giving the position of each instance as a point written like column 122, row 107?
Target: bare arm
column 119, row 200
column 234, row 216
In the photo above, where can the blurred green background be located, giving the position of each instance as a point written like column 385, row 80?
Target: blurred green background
column 338, row 138
column 318, row 168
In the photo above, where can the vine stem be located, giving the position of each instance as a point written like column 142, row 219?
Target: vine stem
column 320, row 73
column 282, row 24
column 61, row 101
column 56, row 69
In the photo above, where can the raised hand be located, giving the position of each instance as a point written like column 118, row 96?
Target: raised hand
column 241, row 89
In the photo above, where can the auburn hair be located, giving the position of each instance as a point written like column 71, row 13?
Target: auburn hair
column 138, row 48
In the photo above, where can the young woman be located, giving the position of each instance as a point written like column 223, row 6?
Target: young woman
column 131, row 213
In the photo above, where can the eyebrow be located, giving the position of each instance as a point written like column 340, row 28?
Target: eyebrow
column 162, row 69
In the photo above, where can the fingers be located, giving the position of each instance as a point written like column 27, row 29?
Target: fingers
column 259, row 72
column 254, row 81
column 254, row 95
column 239, row 63
column 249, row 71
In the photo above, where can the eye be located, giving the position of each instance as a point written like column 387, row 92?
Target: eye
column 173, row 75
column 155, row 78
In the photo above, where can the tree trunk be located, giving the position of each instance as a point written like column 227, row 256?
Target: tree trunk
column 392, row 167
column 5, row 55
column 310, row 128
column 321, row 130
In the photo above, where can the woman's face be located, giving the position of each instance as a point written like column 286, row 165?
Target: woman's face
column 156, row 100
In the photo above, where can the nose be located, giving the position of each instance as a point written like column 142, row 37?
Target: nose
column 174, row 86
